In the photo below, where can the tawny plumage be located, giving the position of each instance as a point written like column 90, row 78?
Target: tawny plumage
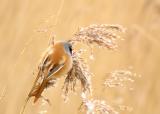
column 57, row 61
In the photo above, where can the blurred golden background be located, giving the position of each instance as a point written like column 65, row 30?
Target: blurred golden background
column 27, row 25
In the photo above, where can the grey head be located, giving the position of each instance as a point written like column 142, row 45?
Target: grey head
column 68, row 48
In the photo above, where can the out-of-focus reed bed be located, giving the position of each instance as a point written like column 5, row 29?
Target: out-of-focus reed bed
column 27, row 25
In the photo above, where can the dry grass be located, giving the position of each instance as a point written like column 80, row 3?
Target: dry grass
column 79, row 71
column 93, row 106
column 103, row 35
column 120, row 78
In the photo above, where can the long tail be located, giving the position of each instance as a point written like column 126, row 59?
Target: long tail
column 36, row 94
column 39, row 91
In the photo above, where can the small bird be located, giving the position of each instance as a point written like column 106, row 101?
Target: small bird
column 56, row 62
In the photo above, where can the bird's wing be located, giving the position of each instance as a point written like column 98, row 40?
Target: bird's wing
column 56, row 67
column 46, row 69
column 44, row 63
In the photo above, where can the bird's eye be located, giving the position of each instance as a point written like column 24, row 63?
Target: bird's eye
column 70, row 49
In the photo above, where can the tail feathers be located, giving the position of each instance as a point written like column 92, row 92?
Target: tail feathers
column 37, row 93
column 36, row 99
